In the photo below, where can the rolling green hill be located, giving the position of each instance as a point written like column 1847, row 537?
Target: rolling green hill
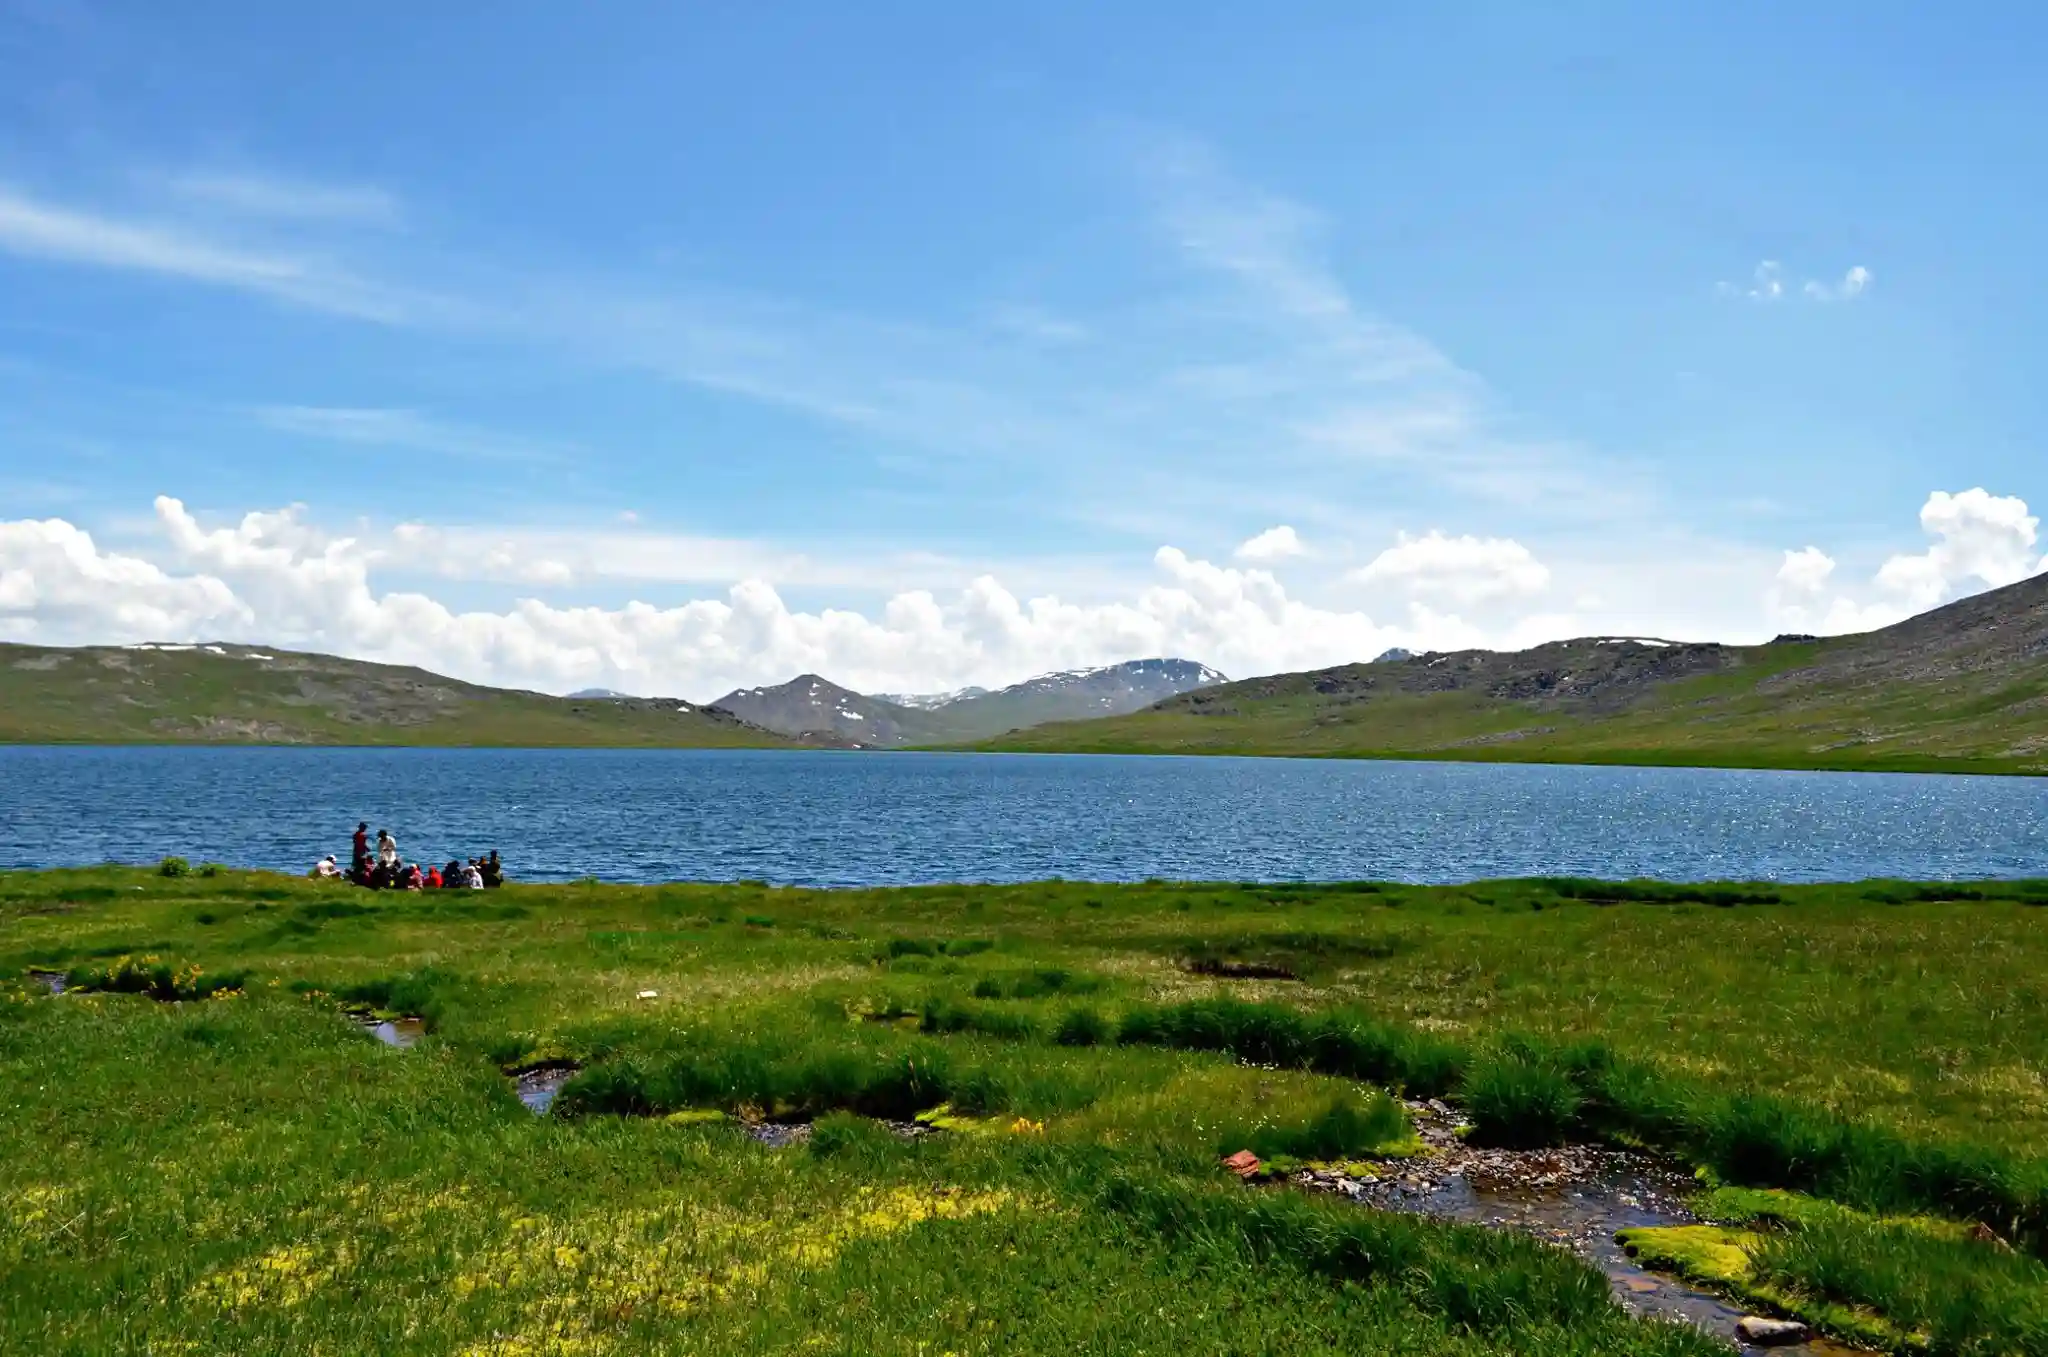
column 222, row 694
column 1963, row 688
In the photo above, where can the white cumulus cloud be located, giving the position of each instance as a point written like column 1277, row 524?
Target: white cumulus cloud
column 1274, row 544
column 275, row 578
column 1806, row 571
column 1979, row 536
column 1461, row 569
column 1981, row 540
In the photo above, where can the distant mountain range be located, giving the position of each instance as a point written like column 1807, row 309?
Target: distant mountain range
column 929, row 701
column 1962, row 688
column 810, row 705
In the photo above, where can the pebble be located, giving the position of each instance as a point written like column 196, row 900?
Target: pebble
column 1760, row 1332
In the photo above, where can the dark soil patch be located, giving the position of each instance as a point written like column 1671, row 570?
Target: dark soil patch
column 1226, row 969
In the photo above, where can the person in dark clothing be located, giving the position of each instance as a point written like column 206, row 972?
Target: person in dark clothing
column 451, row 875
column 493, row 871
column 362, row 845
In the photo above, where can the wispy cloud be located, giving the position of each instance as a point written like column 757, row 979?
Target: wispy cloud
column 1038, row 324
column 408, row 429
column 1323, row 383
column 288, row 199
column 1251, row 386
column 39, row 230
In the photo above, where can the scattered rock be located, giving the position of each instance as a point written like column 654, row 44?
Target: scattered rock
column 779, row 1135
column 1760, row 1332
column 1244, row 1164
column 649, row 994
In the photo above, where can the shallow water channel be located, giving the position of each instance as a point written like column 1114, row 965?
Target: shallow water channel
column 399, row 1032
column 1576, row 1198
column 538, row 1086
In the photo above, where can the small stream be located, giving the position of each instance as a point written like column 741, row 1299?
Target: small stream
column 53, row 981
column 1575, row 1198
column 538, row 1086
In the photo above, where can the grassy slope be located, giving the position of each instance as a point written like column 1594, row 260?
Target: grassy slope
column 108, row 695
column 1962, row 689
column 256, row 1176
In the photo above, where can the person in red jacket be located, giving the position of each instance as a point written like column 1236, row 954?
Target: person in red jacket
column 433, row 878
column 362, row 844
column 412, row 879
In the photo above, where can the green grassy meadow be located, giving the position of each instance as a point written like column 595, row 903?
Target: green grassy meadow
column 1731, row 720
column 250, row 1171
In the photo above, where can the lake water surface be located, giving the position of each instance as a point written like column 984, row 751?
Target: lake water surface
column 828, row 818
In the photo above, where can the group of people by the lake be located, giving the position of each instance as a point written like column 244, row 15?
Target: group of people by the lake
column 382, row 868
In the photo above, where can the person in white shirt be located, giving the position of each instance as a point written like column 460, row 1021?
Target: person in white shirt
column 326, row 870
column 472, row 877
column 387, row 850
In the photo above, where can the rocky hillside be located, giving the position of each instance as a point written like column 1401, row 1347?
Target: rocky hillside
column 1963, row 687
column 224, row 694
column 1080, row 694
column 809, row 704
column 929, row 701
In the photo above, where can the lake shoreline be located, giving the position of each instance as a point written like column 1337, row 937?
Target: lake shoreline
column 1933, row 765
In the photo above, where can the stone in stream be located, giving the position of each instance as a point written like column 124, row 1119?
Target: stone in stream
column 1757, row 1331
column 538, row 1084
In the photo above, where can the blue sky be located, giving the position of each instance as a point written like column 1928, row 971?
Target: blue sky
column 930, row 344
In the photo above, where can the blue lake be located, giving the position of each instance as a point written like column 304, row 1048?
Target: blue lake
column 822, row 818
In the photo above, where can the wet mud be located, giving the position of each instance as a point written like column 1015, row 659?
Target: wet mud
column 1576, row 1198
column 52, row 981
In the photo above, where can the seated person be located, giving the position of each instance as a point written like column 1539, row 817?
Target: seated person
column 434, row 878
column 493, row 871
column 326, row 870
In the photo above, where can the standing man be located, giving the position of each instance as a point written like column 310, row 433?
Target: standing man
column 362, row 845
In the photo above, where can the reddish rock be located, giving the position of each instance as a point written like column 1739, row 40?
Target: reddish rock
column 1244, row 1164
